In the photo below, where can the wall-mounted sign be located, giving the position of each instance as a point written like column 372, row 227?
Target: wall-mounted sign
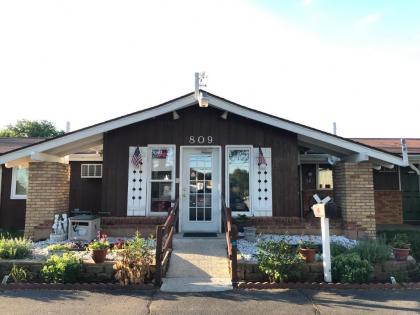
column 200, row 140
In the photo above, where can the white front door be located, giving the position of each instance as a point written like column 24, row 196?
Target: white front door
column 200, row 189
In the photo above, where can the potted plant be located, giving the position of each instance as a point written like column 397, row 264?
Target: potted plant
column 308, row 250
column 99, row 248
column 400, row 247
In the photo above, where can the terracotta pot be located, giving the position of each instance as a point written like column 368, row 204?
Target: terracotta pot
column 308, row 254
column 401, row 254
column 99, row 255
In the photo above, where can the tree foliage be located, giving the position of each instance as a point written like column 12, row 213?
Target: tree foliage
column 31, row 128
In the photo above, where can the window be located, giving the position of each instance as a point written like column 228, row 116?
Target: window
column 91, row 171
column 162, row 178
column 19, row 183
column 238, row 178
column 325, row 176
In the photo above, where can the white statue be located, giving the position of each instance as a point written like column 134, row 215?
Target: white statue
column 59, row 227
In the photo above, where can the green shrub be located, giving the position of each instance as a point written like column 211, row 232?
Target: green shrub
column 61, row 269
column 279, row 261
column 374, row 251
column 19, row 274
column 338, row 249
column 14, row 248
column 63, row 247
column 350, row 268
column 413, row 237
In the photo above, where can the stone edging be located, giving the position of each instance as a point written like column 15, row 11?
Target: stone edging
column 325, row 286
column 75, row 286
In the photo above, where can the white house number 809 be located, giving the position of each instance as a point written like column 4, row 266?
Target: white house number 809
column 201, row 139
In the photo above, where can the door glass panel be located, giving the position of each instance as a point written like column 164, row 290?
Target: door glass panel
column 239, row 166
column 200, row 170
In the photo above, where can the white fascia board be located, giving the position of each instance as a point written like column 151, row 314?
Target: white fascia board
column 301, row 130
column 99, row 129
column 85, row 157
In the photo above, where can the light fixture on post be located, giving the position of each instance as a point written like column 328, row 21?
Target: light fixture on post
column 201, row 96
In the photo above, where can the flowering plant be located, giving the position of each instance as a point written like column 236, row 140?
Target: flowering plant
column 100, row 243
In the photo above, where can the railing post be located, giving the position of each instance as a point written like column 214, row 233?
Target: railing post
column 159, row 236
column 234, row 258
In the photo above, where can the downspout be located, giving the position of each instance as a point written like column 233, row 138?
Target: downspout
column 414, row 168
column 1, row 176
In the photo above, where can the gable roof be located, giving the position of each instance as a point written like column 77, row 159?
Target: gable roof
column 12, row 143
column 392, row 145
column 92, row 135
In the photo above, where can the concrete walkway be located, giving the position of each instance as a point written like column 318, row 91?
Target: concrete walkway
column 198, row 265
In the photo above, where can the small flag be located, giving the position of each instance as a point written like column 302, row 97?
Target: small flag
column 136, row 159
column 261, row 158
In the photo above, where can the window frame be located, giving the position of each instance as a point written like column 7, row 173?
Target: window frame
column 88, row 176
column 251, row 173
column 151, row 147
column 13, row 194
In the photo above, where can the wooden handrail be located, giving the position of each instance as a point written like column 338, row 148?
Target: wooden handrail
column 164, row 237
column 231, row 241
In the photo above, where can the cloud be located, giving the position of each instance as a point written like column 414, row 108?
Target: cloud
column 368, row 20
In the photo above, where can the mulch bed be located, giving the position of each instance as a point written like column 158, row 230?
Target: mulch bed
column 325, row 285
column 75, row 286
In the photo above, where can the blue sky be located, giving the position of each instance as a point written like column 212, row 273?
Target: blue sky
column 312, row 61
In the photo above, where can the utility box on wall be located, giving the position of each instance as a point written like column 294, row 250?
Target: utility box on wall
column 84, row 227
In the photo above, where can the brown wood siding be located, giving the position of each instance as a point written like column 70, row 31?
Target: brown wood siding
column 195, row 121
column 386, row 179
column 12, row 211
column 85, row 193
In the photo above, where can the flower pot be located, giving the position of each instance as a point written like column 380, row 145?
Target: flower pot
column 308, row 254
column 99, row 255
column 401, row 254
column 250, row 233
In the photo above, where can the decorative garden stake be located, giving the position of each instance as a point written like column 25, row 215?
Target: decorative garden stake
column 319, row 212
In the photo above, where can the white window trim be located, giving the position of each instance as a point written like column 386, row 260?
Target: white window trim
column 251, row 154
column 150, row 147
column 13, row 194
column 317, row 179
column 81, row 170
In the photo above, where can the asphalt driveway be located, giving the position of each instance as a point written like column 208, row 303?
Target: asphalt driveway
column 231, row 302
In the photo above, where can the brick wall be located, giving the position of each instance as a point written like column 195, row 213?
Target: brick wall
column 48, row 193
column 388, row 207
column 354, row 193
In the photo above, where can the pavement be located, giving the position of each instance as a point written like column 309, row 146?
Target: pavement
column 242, row 302
column 198, row 265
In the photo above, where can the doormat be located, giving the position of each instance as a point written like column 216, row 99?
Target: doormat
column 200, row 234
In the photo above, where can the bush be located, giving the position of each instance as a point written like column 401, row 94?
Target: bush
column 374, row 251
column 61, row 269
column 350, row 268
column 134, row 267
column 412, row 236
column 279, row 261
column 338, row 249
column 19, row 274
column 56, row 247
column 14, row 248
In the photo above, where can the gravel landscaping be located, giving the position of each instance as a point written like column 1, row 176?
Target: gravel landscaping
column 247, row 249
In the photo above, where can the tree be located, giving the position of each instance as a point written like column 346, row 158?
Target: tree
column 28, row 128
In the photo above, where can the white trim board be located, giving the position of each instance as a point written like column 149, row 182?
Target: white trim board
column 93, row 134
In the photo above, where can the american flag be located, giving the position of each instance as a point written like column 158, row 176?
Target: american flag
column 261, row 158
column 136, row 159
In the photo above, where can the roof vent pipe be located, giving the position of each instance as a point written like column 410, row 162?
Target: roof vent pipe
column 67, row 127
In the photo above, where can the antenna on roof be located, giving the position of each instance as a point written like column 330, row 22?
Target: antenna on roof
column 201, row 96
